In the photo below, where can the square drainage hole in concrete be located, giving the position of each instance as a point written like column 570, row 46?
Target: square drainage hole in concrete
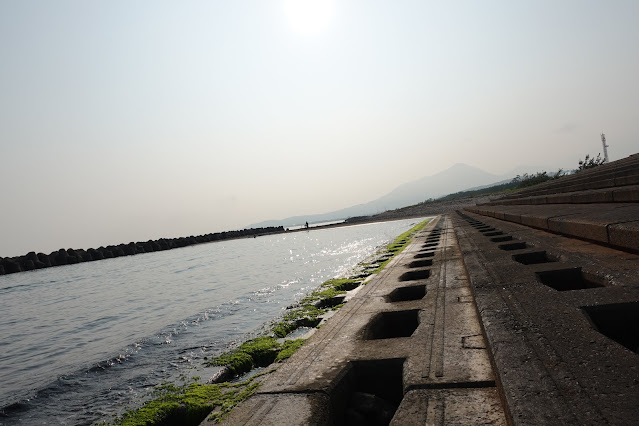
column 420, row 274
column 420, row 263
column 403, row 294
column 512, row 246
column 532, row 258
column 619, row 322
column 423, row 255
column 568, row 279
column 389, row 325
column 368, row 393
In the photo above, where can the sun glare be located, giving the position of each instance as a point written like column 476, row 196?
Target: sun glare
column 309, row 17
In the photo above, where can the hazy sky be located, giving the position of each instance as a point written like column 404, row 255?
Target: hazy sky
column 129, row 120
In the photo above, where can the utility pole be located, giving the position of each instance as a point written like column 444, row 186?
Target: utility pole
column 605, row 147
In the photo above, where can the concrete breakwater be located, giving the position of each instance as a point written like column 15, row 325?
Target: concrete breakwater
column 32, row 260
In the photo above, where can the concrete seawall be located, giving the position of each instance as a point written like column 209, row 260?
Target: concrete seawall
column 478, row 321
column 522, row 310
column 408, row 347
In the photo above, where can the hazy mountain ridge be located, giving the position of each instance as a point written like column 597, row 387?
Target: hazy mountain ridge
column 459, row 177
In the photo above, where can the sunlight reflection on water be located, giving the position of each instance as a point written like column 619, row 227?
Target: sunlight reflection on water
column 84, row 341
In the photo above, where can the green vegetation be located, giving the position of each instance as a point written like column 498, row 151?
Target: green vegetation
column 398, row 245
column 495, row 189
column 258, row 352
column 517, row 183
column 288, row 348
column 283, row 328
column 590, row 162
column 189, row 404
column 342, row 285
column 306, row 313
column 526, row 180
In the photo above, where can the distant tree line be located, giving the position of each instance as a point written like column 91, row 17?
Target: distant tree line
column 526, row 180
column 483, row 191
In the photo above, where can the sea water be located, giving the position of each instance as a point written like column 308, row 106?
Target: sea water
column 83, row 343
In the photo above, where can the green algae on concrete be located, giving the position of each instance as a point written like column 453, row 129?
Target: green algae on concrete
column 189, row 404
column 288, row 349
column 282, row 329
column 342, row 285
column 258, row 352
column 305, row 314
column 400, row 243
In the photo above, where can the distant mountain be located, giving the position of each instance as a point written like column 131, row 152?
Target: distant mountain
column 457, row 178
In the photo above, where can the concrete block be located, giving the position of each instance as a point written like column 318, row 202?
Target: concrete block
column 540, row 222
column 597, row 183
column 512, row 217
column 450, row 407
column 540, row 199
column 281, row 410
column 564, row 198
column 628, row 194
column 627, row 180
column 574, row 187
column 625, row 235
column 592, row 197
column 581, row 228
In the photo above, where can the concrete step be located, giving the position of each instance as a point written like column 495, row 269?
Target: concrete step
column 611, row 224
column 614, row 174
column 624, row 194
column 560, row 318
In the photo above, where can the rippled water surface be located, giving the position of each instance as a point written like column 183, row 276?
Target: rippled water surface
column 82, row 343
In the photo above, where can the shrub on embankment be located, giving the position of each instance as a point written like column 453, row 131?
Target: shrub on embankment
column 31, row 260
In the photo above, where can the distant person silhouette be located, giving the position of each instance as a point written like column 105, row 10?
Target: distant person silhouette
column 306, row 226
